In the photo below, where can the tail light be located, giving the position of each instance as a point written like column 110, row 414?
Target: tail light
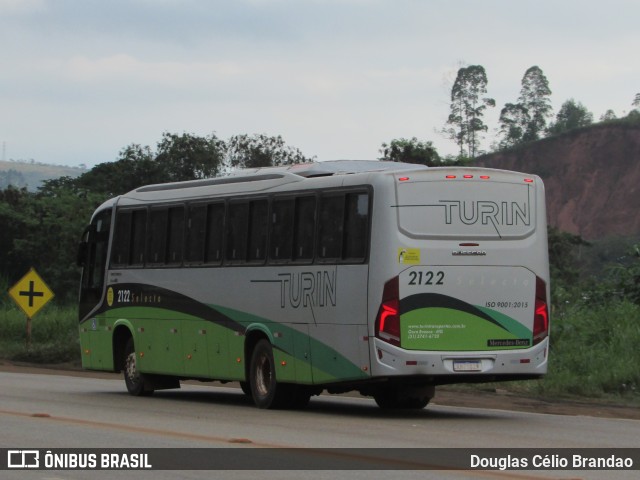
column 541, row 315
column 388, row 319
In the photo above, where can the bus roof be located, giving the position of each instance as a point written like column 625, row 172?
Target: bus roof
column 288, row 173
column 333, row 167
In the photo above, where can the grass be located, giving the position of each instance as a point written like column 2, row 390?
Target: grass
column 54, row 335
column 593, row 353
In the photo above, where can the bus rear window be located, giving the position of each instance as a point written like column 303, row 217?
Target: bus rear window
column 467, row 209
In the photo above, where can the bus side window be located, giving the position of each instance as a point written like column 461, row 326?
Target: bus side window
column 157, row 241
column 121, row 239
column 304, row 229
column 215, row 233
column 237, row 227
column 138, row 237
column 257, row 230
column 175, row 235
column 196, row 231
column 356, row 230
column 331, row 227
column 281, row 241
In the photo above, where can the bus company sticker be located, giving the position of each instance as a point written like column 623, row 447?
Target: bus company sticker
column 110, row 296
column 409, row 256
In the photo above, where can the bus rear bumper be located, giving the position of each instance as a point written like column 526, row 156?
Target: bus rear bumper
column 388, row 361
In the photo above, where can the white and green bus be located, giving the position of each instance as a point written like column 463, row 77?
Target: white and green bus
column 379, row 277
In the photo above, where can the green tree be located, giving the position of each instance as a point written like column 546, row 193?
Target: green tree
column 571, row 115
column 608, row 115
column 189, row 157
column 13, row 225
column 636, row 101
column 42, row 230
column 468, row 104
column 513, row 122
column 410, row 151
column 526, row 120
column 534, row 98
column 260, row 150
column 178, row 158
column 134, row 167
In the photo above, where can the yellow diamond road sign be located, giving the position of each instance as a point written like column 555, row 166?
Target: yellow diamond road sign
column 31, row 293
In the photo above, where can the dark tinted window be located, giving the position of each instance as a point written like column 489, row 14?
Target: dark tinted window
column 157, row 243
column 121, row 239
column 215, row 233
column 331, row 227
column 138, row 237
column 258, row 230
column 237, row 227
column 281, row 237
column 196, row 234
column 304, row 229
column 356, row 226
column 175, row 235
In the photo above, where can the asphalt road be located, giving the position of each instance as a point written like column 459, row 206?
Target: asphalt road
column 60, row 411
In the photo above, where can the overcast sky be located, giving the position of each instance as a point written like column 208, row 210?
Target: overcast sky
column 81, row 79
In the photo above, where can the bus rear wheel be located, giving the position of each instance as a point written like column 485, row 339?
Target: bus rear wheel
column 265, row 389
column 133, row 379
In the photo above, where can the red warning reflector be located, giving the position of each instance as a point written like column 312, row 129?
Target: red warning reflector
column 525, row 360
column 467, row 176
column 528, row 180
column 484, row 177
column 450, row 176
column 403, row 179
column 412, row 362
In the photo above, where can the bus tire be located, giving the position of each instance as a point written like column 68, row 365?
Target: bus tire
column 265, row 390
column 133, row 379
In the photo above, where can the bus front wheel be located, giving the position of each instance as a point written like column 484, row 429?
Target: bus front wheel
column 133, row 379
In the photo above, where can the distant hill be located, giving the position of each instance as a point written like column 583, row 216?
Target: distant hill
column 31, row 174
column 591, row 176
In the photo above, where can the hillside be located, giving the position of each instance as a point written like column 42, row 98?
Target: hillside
column 591, row 175
column 31, row 174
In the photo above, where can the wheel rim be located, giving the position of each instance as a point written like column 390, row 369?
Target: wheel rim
column 130, row 368
column 263, row 376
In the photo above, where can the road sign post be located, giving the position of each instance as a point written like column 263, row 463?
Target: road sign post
column 30, row 294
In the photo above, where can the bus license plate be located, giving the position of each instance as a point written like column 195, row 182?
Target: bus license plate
column 467, row 365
